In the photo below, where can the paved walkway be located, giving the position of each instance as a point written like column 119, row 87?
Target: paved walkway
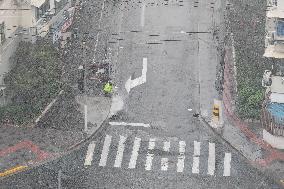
column 55, row 134
column 245, row 137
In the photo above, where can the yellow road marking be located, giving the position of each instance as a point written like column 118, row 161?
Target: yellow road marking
column 12, row 170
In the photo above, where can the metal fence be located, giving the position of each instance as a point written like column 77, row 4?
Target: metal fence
column 271, row 124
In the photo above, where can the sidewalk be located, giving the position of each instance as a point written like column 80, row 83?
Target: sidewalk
column 246, row 137
column 55, row 134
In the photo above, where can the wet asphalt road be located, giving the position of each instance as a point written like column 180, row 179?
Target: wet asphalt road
column 155, row 30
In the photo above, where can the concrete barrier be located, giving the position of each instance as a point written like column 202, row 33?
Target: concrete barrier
column 274, row 141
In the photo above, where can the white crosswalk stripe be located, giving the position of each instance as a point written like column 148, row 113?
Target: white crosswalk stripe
column 150, row 156
column 120, row 150
column 134, row 154
column 227, row 165
column 90, row 153
column 164, row 161
column 105, row 151
column 196, row 154
column 196, row 161
column 181, row 157
column 211, row 159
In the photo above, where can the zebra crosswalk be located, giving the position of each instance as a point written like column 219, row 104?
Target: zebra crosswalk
column 184, row 154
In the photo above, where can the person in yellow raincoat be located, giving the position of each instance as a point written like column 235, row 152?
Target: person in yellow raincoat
column 108, row 88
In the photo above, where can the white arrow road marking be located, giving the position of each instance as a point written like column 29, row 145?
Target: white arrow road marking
column 150, row 156
column 129, row 124
column 227, row 164
column 120, row 150
column 90, row 153
column 181, row 157
column 211, row 159
column 138, row 81
column 134, row 155
column 164, row 161
column 105, row 151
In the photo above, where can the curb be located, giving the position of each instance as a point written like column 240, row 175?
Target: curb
column 36, row 163
column 253, row 163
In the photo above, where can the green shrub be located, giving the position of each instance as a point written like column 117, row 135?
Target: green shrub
column 32, row 83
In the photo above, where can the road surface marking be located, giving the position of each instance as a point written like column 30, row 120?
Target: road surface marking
column 129, row 124
column 164, row 164
column 149, row 159
column 227, row 164
column 195, row 165
column 196, row 154
column 164, row 161
column 120, row 151
column 181, row 157
column 59, row 179
column 138, row 81
column 142, row 16
column 86, row 118
column 134, row 155
column 105, row 150
column 90, row 153
column 167, row 146
column 12, row 170
column 196, row 148
column 211, row 159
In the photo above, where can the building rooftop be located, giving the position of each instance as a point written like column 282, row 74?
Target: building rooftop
column 277, row 9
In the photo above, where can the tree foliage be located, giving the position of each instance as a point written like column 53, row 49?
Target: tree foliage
column 33, row 81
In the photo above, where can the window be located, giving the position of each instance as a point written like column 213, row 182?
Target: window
column 2, row 33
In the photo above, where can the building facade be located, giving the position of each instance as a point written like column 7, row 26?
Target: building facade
column 274, row 41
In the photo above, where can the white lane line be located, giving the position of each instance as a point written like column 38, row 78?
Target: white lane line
column 142, row 19
column 195, row 165
column 181, row 157
column 97, row 37
column 105, row 150
column 134, row 155
column 149, row 159
column 196, row 148
column 144, row 70
column 86, row 118
column 90, row 153
column 129, row 124
column 211, row 159
column 227, row 164
column 164, row 161
column 120, row 150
